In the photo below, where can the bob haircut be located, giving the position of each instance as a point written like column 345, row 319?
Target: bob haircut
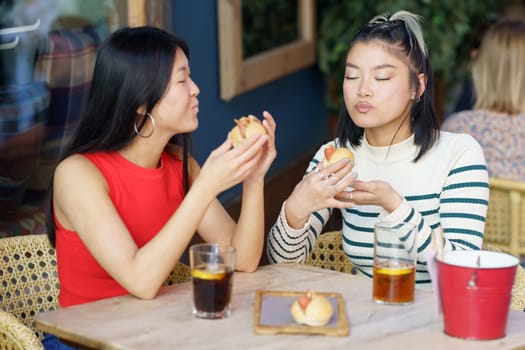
column 498, row 70
column 402, row 35
column 132, row 70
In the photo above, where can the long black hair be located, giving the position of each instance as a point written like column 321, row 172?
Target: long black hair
column 132, row 69
column 402, row 33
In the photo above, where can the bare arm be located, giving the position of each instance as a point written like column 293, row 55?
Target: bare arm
column 307, row 210
column 247, row 236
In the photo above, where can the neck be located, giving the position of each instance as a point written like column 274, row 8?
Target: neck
column 143, row 152
column 389, row 134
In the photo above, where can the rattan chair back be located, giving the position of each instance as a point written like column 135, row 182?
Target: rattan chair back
column 505, row 225
column 28, row 270
column 181, row 273
column 328, row 253
column 30, row 285
column 518, row 289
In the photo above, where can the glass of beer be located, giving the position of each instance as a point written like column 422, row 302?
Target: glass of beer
column 394, row 263
column 212, row 267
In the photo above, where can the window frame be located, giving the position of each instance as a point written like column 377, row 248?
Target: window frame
column 238, row 75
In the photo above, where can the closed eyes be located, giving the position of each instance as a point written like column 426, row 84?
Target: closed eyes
column 355, row 78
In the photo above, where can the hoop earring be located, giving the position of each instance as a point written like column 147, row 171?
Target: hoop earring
column 418, row 99
column 152, row 123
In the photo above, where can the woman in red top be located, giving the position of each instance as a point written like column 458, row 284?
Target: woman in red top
column 127, row 197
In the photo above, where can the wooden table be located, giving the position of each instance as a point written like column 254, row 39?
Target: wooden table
column 167, row 323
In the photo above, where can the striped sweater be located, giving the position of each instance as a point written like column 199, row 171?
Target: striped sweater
column 448, row 186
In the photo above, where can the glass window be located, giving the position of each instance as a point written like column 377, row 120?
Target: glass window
column 47, row 52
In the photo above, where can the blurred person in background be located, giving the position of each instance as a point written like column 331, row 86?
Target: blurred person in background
column 497, row 119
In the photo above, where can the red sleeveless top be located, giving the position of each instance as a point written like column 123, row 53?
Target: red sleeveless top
column 145, row 200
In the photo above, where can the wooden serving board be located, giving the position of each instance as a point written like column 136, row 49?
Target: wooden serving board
column 272, row 314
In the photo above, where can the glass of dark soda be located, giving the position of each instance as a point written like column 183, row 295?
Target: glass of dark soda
column 212, row 267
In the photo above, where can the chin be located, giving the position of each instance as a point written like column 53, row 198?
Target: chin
column 190, row 127
column 362, row 121
column 195, row 127
column 195, row 120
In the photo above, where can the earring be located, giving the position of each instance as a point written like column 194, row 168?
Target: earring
column 152, row 123
column 418, row 99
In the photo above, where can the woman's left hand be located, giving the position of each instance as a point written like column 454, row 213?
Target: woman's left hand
column 268, row 152
column 378, row 193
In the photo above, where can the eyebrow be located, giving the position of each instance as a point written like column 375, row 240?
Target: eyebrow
column 381, row 66
column 182, row 69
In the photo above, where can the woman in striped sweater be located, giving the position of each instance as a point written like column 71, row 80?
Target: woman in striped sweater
column 404, row 169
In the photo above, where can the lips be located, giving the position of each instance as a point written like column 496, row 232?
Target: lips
column 363, row 107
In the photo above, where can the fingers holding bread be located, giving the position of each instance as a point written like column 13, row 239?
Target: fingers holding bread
column 333, row 155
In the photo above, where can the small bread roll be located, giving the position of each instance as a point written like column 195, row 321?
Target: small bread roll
column 244, row 128
column 312, row 309
column 332, row 155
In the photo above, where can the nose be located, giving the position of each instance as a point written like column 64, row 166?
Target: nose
column 363, row 92
column 364, row 89
column 194, row 88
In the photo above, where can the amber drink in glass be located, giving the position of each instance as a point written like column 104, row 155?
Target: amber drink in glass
column 394, row 268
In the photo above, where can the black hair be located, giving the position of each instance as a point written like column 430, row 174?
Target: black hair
column 397, row 34
column 132, row 69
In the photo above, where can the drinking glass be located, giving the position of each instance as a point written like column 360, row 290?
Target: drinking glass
column 212, row 267
column 394, row 263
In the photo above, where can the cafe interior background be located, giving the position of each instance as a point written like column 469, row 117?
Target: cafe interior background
column 288, row 61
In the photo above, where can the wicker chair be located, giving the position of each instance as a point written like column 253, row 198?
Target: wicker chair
column 505, row 226
column 14, row 335
column 30, row 285
column 181, row 273
column 518, row 290
column 328, row 253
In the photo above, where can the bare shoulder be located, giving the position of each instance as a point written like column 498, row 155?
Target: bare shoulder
column 77, row 169
column 75, row 163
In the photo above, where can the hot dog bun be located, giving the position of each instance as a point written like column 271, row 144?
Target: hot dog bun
column 312, row 309
column 332, row 155
column 244, row 128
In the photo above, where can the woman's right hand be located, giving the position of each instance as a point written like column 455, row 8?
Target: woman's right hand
column 318, row 190
column 227, row 166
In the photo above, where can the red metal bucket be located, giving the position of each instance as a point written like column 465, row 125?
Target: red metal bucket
column 475, row 289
